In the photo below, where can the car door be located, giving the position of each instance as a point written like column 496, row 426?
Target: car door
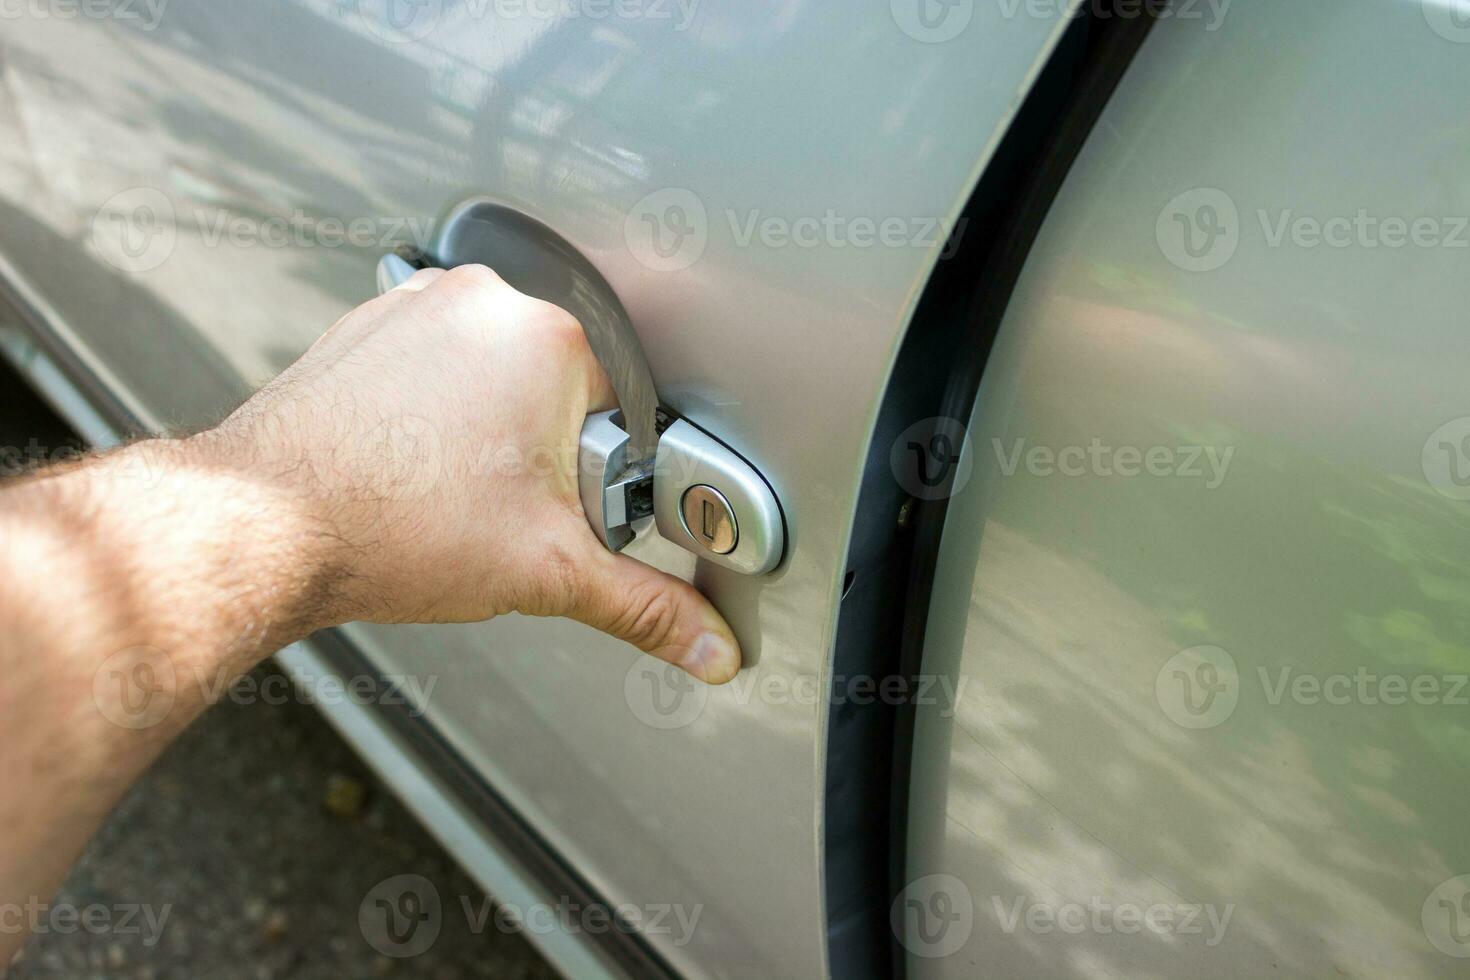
column 195, row 190
column 1206, row 579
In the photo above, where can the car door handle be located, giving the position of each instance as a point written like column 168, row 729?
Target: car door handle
column 395, row 269
column 639, row 460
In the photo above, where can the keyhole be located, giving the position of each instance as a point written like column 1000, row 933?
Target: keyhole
column 707, row 525
column 709, row 519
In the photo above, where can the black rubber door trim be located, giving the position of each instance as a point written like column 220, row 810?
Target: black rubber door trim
column 895, row 538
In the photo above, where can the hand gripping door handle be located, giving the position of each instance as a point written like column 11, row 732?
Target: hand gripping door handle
column 639, row 460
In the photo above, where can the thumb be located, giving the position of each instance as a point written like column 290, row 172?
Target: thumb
column 659, row 614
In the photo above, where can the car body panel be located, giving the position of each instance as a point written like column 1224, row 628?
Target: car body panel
column 1162, row 705
column 256, row 112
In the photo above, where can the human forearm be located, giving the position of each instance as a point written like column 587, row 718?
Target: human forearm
column 171, row 544
column 136, row 583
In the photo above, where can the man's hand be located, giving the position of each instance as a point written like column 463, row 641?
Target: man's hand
column 419, row 463
column 434, row 431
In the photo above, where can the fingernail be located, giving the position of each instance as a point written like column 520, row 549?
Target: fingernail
column 712, row 659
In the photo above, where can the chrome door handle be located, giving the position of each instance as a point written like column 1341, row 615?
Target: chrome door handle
column 394, row 270
column 640, row 460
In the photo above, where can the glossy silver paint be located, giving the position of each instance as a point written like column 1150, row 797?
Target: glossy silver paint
column 224, row 117
column 688, row 460
column 1164, row 707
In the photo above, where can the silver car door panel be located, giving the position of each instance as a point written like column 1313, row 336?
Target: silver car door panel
column 1214, row 722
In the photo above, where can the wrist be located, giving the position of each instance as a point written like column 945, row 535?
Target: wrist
column 278, row 556
column 195, row 551
column 166, row 557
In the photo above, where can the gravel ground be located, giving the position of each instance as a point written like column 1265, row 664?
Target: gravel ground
column 252, row 844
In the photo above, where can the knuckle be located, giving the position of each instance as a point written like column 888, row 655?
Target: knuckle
column 422, row 277
column 651, row 618
column 472, row 276
column 545, row 316
column 563, row 329
column 556, row 330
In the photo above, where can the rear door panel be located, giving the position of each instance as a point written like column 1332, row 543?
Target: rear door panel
column 1214, row 721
